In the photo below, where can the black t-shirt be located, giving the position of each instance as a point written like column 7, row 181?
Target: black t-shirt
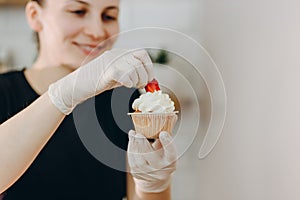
column 65, row 168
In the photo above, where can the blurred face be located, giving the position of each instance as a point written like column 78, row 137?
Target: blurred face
column 74, row 29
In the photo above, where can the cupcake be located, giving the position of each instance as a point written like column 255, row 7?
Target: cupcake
column 154, row 112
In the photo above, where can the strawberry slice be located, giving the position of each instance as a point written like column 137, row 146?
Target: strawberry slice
column 152, row 86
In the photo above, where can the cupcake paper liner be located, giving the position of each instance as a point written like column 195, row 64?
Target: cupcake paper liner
column 151, row 124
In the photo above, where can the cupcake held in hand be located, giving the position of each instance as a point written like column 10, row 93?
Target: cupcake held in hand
column 154, row 112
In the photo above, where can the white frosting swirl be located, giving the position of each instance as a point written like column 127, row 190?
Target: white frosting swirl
column 154, row 102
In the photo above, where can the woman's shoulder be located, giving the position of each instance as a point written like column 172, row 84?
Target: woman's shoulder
column 7, row 80
column 15, row 93
column 14, row 81
column 9, row 77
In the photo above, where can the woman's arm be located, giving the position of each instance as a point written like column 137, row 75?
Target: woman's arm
column 23, row 136
column 135, row 194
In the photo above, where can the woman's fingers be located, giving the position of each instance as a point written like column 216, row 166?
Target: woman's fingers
column 144, row 57
column 131, row 71
column 139, row 70
column 146, row 157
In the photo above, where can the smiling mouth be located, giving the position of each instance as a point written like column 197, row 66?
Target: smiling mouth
column 91, row 50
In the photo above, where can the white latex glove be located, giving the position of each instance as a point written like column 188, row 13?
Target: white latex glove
column 112, row 69
column 151, row 165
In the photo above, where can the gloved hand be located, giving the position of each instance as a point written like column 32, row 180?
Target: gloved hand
column 151, row 165
column 112, row 69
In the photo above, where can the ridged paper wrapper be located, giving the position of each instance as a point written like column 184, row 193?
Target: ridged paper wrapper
column 151, row 124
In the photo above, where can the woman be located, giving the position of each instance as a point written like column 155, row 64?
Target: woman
column 40, row 152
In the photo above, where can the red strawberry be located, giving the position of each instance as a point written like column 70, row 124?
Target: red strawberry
column 152, row 86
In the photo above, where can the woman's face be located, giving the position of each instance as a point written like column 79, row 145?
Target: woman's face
column 74, row 29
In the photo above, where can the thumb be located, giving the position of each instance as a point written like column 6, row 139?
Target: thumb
column 168, row 146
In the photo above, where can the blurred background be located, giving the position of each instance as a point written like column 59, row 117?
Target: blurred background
column 256, row 46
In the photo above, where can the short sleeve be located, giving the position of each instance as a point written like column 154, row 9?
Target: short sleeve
column 3, row 102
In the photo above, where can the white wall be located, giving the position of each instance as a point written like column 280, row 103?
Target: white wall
column 175, row 14
column 256, row 45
